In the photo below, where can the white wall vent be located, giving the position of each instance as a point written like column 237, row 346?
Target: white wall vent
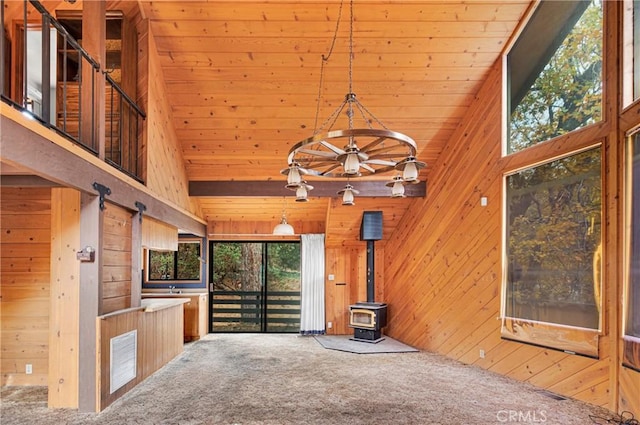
column 123, row 356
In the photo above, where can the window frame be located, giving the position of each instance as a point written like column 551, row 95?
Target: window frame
column 177, row 283
column 566, row 338
column 631, row 343
column 507, row 84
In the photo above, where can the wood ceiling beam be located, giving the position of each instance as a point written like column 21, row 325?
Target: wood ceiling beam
column 29, row 146
column 15, row 180
column 322, row 189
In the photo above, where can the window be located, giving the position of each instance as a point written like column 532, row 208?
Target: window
column 636, row 50
column 632, row 299
column 554, row 250
column 182, row 265
column 555, row 73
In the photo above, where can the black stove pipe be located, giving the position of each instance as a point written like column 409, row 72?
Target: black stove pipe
column 371, row 231
column 371, row 286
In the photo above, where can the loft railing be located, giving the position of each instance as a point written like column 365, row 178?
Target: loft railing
column 48, row 75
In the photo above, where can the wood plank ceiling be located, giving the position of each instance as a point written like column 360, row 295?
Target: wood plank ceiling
column 243, row 79
column 244, row 76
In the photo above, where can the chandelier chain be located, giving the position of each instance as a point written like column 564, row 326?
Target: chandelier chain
column 351, row 49
column 364, row 111
column 325, row 59
column 331, row 119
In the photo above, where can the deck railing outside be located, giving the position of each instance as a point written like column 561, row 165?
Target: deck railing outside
column 247, row 311
column 48, row 75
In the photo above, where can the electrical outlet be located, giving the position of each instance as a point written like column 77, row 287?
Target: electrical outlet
column 482, row 354
column 329, row 325
column 28, row 369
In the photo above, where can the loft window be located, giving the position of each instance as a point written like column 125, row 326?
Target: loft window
column 555, row 73
column 554, row 253
column 182, row 265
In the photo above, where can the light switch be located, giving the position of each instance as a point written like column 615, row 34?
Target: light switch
column 483, row 201
column 331, row 277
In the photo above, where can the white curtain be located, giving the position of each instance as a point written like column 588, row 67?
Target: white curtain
column 312, row 284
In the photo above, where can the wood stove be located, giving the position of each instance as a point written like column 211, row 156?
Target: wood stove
column 368, row 318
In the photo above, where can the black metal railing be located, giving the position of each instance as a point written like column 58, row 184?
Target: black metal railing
column 57, row 82
column 255, row 311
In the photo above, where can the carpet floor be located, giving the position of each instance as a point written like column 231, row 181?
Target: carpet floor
column 290, row 379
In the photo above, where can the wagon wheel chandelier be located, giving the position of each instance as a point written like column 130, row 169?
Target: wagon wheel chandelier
column 352, row 152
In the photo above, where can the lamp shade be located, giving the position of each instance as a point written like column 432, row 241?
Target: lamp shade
column 347, row 198
column 397, row 190
column 351, row 164
column 294, row 175
column 409, row 168
column 348, row 195
column 301, row 194
column 410, row 172
column 302, row 191
column 283, row 228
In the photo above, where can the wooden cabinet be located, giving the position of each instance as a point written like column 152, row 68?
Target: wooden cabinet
column 196, row 313
column 195, row 317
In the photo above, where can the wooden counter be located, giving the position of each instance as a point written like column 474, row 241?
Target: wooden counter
column 156, row 304
column 196, row 310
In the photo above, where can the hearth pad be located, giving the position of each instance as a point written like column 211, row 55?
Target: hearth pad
column 345, row 343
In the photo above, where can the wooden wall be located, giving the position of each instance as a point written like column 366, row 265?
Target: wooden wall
column 25, row 224
column 166, row 173
column 349, row 285
column 444, row 290
column 159, row 340
column 158, row 235
column 247, row 229
column 116, row 259
column 64, row 299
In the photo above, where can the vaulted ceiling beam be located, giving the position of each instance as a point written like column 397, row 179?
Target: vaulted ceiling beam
column 322, row 189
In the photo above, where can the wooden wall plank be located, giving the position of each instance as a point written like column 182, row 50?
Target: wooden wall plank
column 453, row 253
column 629, row 390
column 348, row 267
column 195, row 28
column 25, row 245
column 423, row 12
column 158, row 235
column 166, row 174
column 65, row 299
column 242, row 229
column 116, row 259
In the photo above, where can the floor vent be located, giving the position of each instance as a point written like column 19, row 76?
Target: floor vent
column 551, row 395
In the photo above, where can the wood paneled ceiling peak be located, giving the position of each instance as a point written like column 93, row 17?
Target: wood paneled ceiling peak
column 243, row 80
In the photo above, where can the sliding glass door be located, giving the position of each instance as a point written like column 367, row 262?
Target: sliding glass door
column 255, row 286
